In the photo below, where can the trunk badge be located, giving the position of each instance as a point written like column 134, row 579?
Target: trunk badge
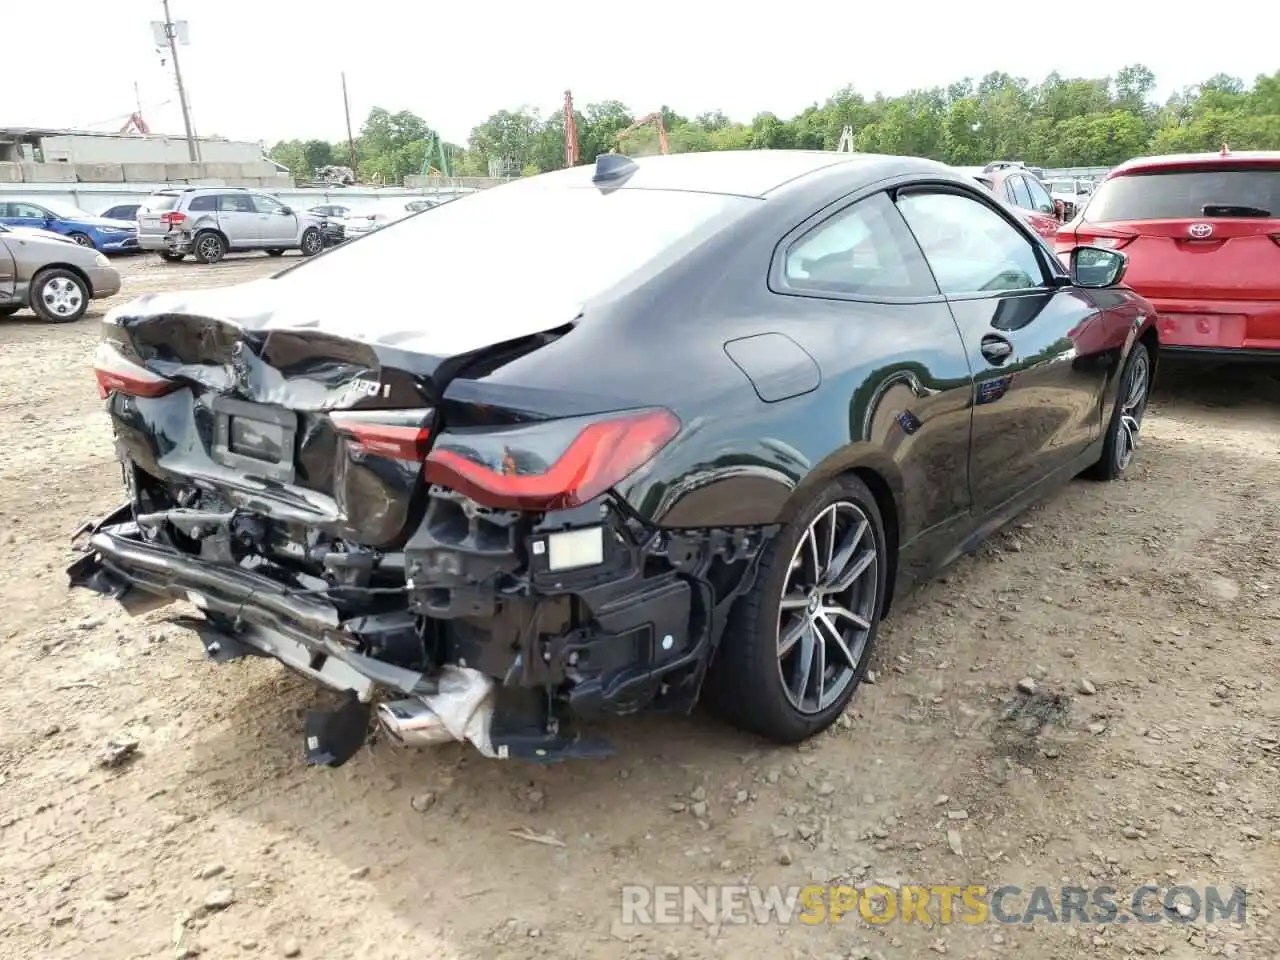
column 1200, row 231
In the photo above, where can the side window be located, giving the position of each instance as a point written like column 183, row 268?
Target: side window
column 234, row 203
column 204, row 204
column 971, row 248
column 28, row 211
column 864, row 250
column 1021, row 196
column 1040, row 199
column 267, row 204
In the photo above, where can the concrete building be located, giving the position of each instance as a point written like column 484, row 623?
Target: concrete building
column 28, row 145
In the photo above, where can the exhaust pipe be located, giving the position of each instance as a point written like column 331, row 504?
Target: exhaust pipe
column 461, row 708
column 411, row 723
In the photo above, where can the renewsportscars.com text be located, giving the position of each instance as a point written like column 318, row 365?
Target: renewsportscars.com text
column 926, row 904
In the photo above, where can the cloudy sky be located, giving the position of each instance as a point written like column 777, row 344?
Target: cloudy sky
column 270, row 69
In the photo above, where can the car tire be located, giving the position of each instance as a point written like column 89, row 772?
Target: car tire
column 758, row 679
column 312, row 242
column 83, row 239
column 275, row 253
column 209, row 247
column 1123, row 428
column 172, row 257
column 59, row 296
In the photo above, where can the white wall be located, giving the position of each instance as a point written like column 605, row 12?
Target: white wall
column 85, row 148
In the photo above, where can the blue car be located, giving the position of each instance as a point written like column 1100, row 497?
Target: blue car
column 104, row 235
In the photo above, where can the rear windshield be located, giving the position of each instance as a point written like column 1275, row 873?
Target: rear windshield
column 1182, row 194
column 161, row 202
column 537, row 249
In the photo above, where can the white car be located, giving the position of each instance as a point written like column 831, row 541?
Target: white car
column 378, row 214
column 1074, row 194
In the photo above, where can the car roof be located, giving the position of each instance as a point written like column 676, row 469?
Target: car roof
column 747, row 173
column 1174, row 161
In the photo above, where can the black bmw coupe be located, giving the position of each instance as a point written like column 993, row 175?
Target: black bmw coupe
column 638, row 432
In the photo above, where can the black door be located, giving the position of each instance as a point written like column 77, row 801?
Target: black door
column 1035, row 399
column 868, row 309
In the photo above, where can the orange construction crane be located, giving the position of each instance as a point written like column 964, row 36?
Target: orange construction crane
column 136, row 125
column 656, row 119
column 570, row 132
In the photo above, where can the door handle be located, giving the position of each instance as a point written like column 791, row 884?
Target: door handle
column 996, row 349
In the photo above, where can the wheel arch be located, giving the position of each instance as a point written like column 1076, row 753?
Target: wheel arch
column 881, row 476
column 69, row 267
column 211, row 228
column 1151, row 340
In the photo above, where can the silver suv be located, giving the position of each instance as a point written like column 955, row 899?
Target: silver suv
column 209, row 222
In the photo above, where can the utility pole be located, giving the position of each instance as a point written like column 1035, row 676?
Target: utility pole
column 171, row 34
column 346, row 105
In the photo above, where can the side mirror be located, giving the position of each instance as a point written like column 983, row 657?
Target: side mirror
column 286, row 211
column 1096, row 267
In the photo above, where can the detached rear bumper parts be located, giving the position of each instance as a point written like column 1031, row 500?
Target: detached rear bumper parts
column 514, row 674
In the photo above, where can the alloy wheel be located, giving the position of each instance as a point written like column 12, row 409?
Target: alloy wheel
column 62, row 296
column 210, row 248
column 827, row 608
column 311, row 243
column 82, row 240
column 1133, row 404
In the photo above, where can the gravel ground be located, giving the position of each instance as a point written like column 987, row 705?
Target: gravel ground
column 1090, row 700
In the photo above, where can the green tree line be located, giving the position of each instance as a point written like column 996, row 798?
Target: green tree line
column 1059, row 122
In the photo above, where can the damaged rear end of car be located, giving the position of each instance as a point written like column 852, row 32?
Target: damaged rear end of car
column 354, row 500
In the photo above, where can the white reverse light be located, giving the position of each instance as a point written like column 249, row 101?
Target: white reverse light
column 575, row 548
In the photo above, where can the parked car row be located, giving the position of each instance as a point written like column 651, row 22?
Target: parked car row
column 1201, row 233
column 207, row 222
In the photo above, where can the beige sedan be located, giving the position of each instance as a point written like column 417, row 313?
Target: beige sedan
column 53, row 276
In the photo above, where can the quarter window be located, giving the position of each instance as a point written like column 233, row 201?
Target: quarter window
column 864, row 250
column 207, row 202
column 970, row 247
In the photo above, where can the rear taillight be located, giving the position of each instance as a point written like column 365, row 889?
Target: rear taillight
column 116, row 373
column 402, row 434
column 556, row 465
column 173, row 219
column 1110, row 239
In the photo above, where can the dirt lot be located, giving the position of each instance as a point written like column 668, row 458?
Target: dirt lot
column 1146, row 613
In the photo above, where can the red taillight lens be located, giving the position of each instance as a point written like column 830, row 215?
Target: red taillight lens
column 1111, row 241
column 173, row 219
column 531, row 467
column 402, row 434
column 116, row 373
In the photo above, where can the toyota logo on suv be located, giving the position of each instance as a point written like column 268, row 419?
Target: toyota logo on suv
column 1200, row 231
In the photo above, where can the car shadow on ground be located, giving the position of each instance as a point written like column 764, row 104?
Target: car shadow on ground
column 1192, row 387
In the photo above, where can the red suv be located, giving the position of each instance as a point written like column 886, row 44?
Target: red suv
column 1202, row 233
column 1021, row 189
